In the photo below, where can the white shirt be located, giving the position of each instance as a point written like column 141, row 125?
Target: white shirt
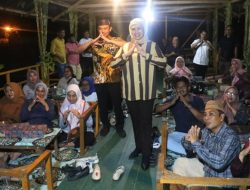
column 83, row 41
column 91, row 98
column 202, row 53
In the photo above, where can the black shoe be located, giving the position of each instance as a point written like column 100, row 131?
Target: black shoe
column 70, row 169
column 121, row 133
column 145, row 162
column 104, row 131
column 134, row 154
column 79, row 174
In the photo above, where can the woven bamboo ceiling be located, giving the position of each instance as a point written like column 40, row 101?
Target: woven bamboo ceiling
column 126, row 9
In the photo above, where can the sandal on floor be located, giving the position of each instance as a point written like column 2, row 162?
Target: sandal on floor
column 96, row 175
column 118, row 172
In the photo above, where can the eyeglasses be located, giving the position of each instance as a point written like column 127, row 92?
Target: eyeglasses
column 231, row 94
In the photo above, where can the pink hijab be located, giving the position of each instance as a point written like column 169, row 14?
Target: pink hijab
column 235, row 104
column 181, row 71
column 239, row 71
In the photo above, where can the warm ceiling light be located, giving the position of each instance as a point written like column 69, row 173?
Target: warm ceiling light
column 8, row 28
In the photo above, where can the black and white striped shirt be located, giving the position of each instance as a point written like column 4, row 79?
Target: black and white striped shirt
column 138, row 72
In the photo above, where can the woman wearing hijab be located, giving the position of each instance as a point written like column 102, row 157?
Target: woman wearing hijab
column 235, row 111
column 180, row 69
column 88, row 89
column 38, row 110
column 72, row 108
column 237, row 77
column 67, row 79
column 11, row 103
column 138, row 60
column 32, row 80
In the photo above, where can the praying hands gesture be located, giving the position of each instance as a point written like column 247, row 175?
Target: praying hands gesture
column 193, row 134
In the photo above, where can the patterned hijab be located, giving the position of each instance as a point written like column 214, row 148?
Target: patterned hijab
column 41, row 85
column 91, row 86
column 30, row 83
column 235, row 104
column 18, row 93
column 181, row 71
column 239, row 71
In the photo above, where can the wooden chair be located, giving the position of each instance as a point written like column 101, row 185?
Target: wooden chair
column 94, row 108
column 23, row 172
column 165, row 176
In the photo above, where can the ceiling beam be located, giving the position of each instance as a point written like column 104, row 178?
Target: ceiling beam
column 179, row 3
column 71, row 7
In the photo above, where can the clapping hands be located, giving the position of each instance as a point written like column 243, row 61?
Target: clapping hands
column 193, row 134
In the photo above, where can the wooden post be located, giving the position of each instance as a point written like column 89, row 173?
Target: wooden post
column 48, row 169
column 246, row 50
column 166, row 27
column 215, row 40
column 73, row 23
column 81, row 133
column 228, row 14
column 92, row 25
column 25, row 182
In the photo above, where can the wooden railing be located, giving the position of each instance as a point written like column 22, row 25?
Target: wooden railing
column 9, row 74
column 165, row 176
column 23, row 172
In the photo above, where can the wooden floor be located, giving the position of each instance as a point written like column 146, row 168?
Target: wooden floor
column 113, row 152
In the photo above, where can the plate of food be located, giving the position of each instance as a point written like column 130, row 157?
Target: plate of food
column 43, row 142
column 66, row 154
column 5, row 141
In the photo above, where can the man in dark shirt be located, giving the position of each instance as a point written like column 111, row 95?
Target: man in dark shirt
column 187, row 111
column 173, row 51
column 227, row 49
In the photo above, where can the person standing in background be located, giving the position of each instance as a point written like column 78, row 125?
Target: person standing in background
column 201, row 57
column 58, row 52
column 228, row 49
column 86, row 56
column 73, row 58
column 173, row 51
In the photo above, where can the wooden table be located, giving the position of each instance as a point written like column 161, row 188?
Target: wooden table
column 26, row 143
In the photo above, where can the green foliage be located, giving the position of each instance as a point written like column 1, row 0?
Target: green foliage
column 47, row 63
column 1, row 66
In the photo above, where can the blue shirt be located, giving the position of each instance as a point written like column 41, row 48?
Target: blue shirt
column 38, row 114
column 184, row 118
column 216, row 151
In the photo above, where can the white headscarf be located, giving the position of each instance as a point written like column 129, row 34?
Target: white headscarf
column 80, row 105
column 140, row 22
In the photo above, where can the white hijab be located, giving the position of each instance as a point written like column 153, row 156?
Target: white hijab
column 140, row 22
column 80, row 105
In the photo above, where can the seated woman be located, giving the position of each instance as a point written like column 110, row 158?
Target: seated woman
column 240, row 166
column 32, row 80
column 10, row 107
column 70, row 112
column 68, row 79
column 235, row 111
column 88, row 89
column 11, row 103
column 180, row 69
column 38, row 110
column 237, row 77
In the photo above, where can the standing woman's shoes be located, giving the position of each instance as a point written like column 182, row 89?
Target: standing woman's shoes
column 145, row 162
column 96, row 175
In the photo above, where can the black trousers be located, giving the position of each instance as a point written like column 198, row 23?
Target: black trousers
column 200, row 70
column 141, row 115
column 86, row 65
column 110, row 93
